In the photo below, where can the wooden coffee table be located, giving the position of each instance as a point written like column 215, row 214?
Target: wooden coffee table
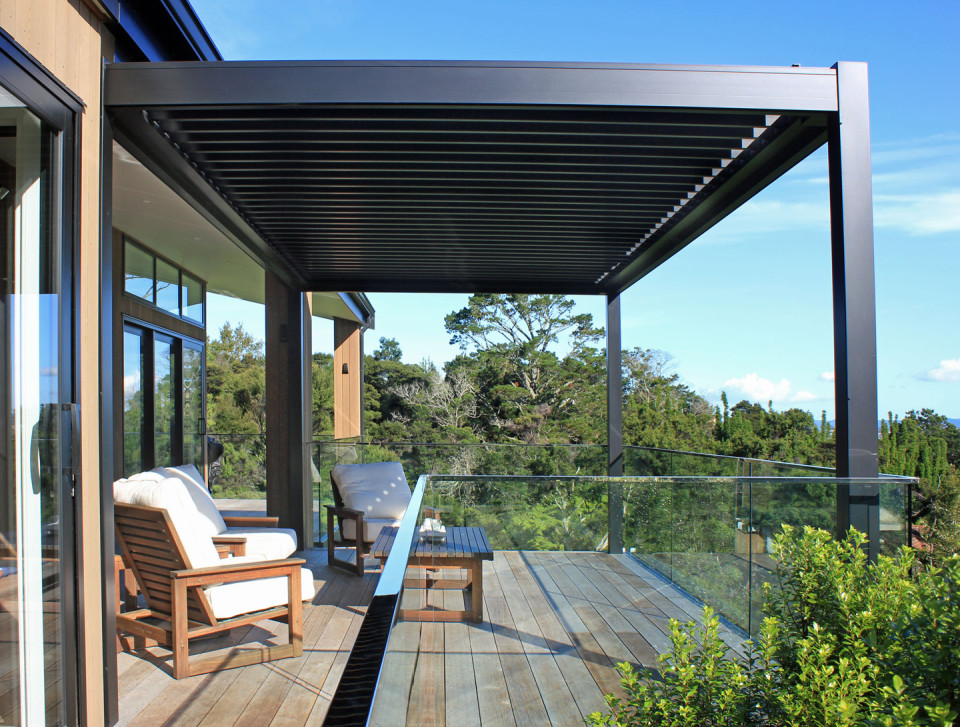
column 463, row 549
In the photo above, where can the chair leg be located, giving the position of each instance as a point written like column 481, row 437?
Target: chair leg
column 295, row 612
column 331, row 550
column 180, row 645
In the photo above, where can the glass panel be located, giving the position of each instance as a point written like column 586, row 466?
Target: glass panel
column 168, row 287
column 164, row 400
column 193, row 404
column 31, row 627
column 192, row 298
column 711, row 536
column 138, row 272
column 893, row 516
column 133, row 377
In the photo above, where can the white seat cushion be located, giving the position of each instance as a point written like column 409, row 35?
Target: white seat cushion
column 232, row 599
column 371, row 527
column 379, row 489
column 171, row 494
column 266, row 543
column 211, row 521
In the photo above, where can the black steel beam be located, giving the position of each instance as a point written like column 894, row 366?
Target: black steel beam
column 782, row 149
column 158, row 154
column 252, row 83
column 854, row 306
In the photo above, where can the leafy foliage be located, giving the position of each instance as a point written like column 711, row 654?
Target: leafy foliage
column 924, row 444
column 531, row 372
column 844, row 642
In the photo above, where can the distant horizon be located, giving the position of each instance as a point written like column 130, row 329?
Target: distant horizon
column 372, row 337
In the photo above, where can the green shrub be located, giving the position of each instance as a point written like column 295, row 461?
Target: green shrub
column 844, row 642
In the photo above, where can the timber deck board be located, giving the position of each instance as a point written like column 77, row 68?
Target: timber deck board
column 555, row 625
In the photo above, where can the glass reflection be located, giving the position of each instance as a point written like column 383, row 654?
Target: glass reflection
column 192, row 303
column 31, row 627
column 133, row 376
column 193, row 404
column 164, row 400
column 168, row 287
column 138, row 272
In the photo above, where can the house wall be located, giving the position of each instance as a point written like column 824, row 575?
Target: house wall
column 68, row 38
column 347, row 385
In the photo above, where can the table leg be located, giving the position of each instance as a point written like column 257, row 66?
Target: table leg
column 476, row 589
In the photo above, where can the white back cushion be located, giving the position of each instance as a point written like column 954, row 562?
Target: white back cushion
column 379, row 489
column 211, row 521
column 171, row 494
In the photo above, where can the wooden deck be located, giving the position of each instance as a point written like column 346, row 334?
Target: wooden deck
column 285, row 692
column 555, row 624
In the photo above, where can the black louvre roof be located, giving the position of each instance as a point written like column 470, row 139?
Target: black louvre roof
column 407, row 194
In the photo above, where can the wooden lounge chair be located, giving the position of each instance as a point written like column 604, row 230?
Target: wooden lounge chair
column 367, row 498
column 192, row 602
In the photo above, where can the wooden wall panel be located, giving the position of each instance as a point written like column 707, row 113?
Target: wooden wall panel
column 347, row 387
column 66, row 38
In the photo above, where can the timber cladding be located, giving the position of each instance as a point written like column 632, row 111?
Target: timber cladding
column 347, row 378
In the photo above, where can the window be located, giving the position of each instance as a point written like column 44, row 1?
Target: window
column 138, row 272
column 162, row 284
column 163, row 408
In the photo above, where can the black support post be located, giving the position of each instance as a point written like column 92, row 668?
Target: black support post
column 854, row 306
column 288, row 471
column 614, row 424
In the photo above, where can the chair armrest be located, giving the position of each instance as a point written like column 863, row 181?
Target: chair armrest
column 230, row 544
column 344, row 511
column 250, row 521
column 241, row 572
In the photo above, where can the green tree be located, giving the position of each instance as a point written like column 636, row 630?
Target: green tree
column 235, row 382
column 531, row 355
column 236, row 407
column 389, row 350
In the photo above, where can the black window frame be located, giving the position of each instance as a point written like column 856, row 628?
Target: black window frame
column 149, row 333
column 181, row 271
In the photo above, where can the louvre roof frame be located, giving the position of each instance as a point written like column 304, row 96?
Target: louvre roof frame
column 463, row 177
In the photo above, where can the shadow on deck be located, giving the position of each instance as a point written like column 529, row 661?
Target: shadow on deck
column 555, row 625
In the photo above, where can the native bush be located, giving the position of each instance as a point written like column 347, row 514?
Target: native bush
column 844, row 642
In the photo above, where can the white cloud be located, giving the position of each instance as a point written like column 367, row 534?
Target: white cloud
column 947, row 371
column 828, row 376
column 919, row 214
column 758, row 388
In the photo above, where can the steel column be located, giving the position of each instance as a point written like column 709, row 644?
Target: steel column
column 614, row 424
column 287, row 463
column 854, row 306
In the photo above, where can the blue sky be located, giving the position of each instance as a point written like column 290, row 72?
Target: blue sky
column 746, row 308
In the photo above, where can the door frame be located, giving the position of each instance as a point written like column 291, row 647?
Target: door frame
column 50, row 100
column 148, row 333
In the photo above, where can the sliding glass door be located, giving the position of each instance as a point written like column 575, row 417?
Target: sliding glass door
column 36, row 682
column 163, row 407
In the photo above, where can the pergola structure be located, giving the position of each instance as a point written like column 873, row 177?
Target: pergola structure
column 497, row 177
